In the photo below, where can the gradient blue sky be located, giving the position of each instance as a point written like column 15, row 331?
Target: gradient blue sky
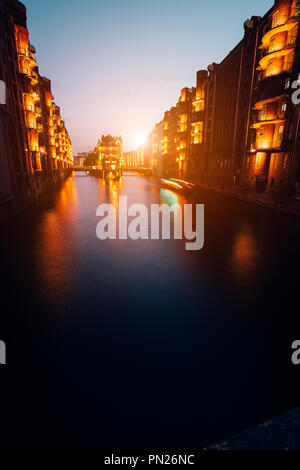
column 117, row 65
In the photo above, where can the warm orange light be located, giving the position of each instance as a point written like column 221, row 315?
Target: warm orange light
column 140, row 140
column 171, row 183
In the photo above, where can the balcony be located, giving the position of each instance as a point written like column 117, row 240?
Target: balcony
column 272, row 30
column 266, row 52
column 268, row 55
column 263, row 145
column 29, row 108
column 277, row 142
column 295, row 13
column 25, row 54
column 259, row 104
column 291, row 40
column 34, row 76
column 22, row 51
column 263, row 74
column 263, row 122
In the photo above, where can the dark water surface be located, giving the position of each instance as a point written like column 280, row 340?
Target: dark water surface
column 132, row 344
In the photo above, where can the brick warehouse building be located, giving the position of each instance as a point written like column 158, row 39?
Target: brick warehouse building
column 272, row 164
column 35, row 149
column 239, row 129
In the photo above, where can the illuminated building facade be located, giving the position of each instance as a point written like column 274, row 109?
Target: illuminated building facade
column 131, row 160
column 140, row 157
column 35, row 149
column 110, row 155
column 197, row 126
column 80, row 158
column 170, row 159
column 238, row 129
column 272, row 164
column 228, row 90
column 148, row 152
column 157, row 150
column 185, row 131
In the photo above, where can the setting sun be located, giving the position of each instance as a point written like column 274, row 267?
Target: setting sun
column 140, row 140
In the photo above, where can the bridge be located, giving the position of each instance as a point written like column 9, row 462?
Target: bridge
column 142, row 171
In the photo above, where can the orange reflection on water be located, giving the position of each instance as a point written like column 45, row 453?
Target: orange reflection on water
column 110, row 191
column 245, row 254
column 55, row 248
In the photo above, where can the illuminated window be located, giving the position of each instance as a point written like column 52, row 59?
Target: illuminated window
column 287, row 84
column 262, row 114
column 283, row 107
column 275, row 19
column 270, row 69
column 275, row 158
column 274, row 45
column 285, row 161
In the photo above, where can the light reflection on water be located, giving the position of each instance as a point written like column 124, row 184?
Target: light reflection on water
column 245, row 255
column 186, row 347
column 69, row 228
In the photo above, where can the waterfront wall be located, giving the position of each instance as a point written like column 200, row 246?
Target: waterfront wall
column 237, row 130
column 35, row 148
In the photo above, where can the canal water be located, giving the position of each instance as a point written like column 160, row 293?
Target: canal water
column 142, row 344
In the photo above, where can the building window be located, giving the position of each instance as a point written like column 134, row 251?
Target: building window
column 283, row 108
column 287, row 83
column 262, row 114
column 270, row 69
column 273, row 41
column 275, row 158
column 275, row 19
column 285, row 161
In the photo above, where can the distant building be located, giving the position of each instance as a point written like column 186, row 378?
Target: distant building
column 80, row 158
column 109, row 146
column 131, row 160
column 110, row 157
column 140, row 158
column 148, row 152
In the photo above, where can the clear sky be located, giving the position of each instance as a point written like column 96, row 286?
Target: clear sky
column 117, row 65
